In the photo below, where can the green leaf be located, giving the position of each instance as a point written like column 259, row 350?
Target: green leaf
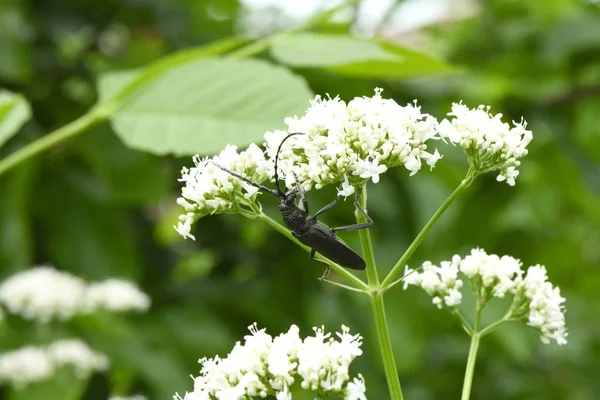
column 14, row 112
column 122, row 90
column 200, row 106
column 346, row 55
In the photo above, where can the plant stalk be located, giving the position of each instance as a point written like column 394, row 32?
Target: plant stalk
column 475, row 338
column 377, row 304
column 86, row 121
column 389, row 279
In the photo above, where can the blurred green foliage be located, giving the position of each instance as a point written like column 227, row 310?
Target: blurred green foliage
column 96, row 208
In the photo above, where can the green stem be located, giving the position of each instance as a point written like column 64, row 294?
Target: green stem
column 385, row 346
column 336, row 267
column 463, row 321
column 466, row 393
column 470, row 369
column 388, row 281
column 86, row 121
column 366, row 244
column 488, row 329
column 377, row 304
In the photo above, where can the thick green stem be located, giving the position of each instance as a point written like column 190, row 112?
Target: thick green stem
column 475, row 338
column 388, row 281
column 385, row 346
column 336, row 267
column 365, row 243
column 94, row 116
column 383, row 335
column 466, row 392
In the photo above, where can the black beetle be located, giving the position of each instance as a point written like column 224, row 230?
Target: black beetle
column 316, row 235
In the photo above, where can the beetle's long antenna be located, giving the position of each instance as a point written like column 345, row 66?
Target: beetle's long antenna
column 279, row 191
column 256, row 185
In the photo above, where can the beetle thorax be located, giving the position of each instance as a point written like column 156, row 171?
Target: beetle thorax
column 294, row 217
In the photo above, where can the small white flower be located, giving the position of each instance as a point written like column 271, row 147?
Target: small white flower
column 115, row 295
column 489, row 143
column 356, row 389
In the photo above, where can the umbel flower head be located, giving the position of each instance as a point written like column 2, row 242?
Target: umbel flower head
column 535, row 300
column 264, row 365
column 489, row 143
column 210, row 190
column 353, row 142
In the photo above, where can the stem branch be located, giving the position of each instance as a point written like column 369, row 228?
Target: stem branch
column 387, row 282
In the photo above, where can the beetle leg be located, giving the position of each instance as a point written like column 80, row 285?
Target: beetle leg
column 356, row 227
column 326, row 208
column 327, row 267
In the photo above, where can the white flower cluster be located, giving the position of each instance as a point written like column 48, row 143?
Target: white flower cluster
column 353, row 142
column 489, row 143
column 545, row 305
column 348, row 144
column 535, row 299
column 32, row 364
column 264, row 365
column 44, row 294
column 209, row 190
column 440, row 282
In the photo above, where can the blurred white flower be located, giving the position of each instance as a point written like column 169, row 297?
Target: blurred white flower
column 209, row 190
column 115, row 295
column 24, row 366
column 535, row 300
column 353, row 142
column 263, row 366
column 44, row 294
column 32, row 364
column 75, row 353
column 489, row 143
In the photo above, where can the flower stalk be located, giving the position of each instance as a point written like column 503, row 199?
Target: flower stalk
column 388, row 282
column 377, row 304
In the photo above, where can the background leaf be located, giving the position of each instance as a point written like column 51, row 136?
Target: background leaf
column 14, row 112
column 355, row 57
column 202, row 105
